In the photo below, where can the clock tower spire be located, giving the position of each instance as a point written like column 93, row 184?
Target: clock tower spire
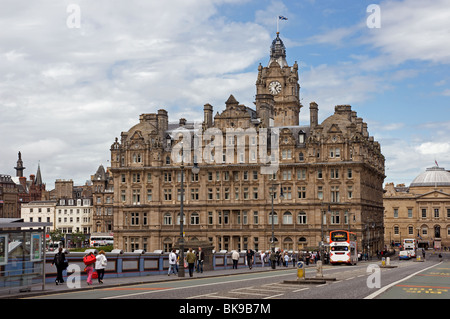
column 281, row 81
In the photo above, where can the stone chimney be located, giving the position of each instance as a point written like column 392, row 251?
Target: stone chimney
column 313, row 114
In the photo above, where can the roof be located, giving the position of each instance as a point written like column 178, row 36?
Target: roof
column 433, row 176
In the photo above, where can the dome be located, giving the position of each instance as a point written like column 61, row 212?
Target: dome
column 434, row 176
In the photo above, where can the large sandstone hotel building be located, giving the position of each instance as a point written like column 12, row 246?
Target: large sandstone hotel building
column 330, row 174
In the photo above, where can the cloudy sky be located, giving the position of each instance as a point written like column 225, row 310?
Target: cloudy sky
column 74, row 74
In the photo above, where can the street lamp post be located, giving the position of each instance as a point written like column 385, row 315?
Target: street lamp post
column 273, row 226
column 195, row 170
column 181, row 268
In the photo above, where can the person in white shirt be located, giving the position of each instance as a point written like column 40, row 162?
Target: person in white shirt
column 100, row 265
column 172, row 262
column 235, row 258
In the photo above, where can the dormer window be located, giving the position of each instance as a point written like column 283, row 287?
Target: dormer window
column 301, row 137
column 168, row 140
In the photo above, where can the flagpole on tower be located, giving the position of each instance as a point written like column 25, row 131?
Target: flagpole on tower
column 278, row 19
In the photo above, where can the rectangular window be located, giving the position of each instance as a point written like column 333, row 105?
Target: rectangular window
column 210, row 218
column 436, row 213
column 335, row 194
column 255, row 218
column 167, row 194
column 136, row 196
column 210, row 193
column 424, row 213
column 194, row 194
column 149, row 195
column 255, row 193
column 301, row 174
column 301, row 191
column 319, row 173
column 320, row 192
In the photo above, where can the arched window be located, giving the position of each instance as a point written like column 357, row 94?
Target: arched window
column 287, row 218
column 288, row 243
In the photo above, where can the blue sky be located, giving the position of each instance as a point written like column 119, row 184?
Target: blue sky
column 66, row 93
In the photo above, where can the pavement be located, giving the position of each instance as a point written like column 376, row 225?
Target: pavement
column 109, row 282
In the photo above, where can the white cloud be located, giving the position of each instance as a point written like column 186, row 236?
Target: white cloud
column 413, row 30
column 66, row 93
column 433, row 148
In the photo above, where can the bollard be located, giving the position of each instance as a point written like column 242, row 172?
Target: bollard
column 319, row 269
column 388, row 261
column 383, row 261
column 300, row 270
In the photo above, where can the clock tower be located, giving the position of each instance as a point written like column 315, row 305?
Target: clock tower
column 281, row 81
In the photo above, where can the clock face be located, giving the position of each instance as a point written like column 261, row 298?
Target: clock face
column 275, row 87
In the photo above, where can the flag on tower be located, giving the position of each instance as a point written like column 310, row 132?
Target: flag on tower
column 282, row 18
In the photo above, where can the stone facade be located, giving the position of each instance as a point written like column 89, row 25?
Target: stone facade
column 102, row 201
column 420, row 211
column 331, row 174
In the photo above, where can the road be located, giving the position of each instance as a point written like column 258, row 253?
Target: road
column 351, row 282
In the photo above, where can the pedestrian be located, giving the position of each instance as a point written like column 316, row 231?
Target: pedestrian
column 263, row 256
column 61, row 264
column 250, row 257
column 273, row 259
column 423, row 253
column 200, row 258
column 235, row 258
column 172, row 262
column 89, row 260
column 286, row 259
column 100, row 265
column 190, row 259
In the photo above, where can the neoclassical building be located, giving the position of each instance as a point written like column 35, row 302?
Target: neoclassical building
column 330, row 174
column 420, row 211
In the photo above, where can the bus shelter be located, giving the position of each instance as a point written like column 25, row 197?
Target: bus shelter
column 22, row 255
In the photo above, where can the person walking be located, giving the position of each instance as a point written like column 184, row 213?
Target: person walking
column 172, row 262
column 235, row 258
column 61, row 264
column 200, row 258
column 100, row 265
column 190, row 259
column 250, row 257
column 89, row 260
column 263, row 256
